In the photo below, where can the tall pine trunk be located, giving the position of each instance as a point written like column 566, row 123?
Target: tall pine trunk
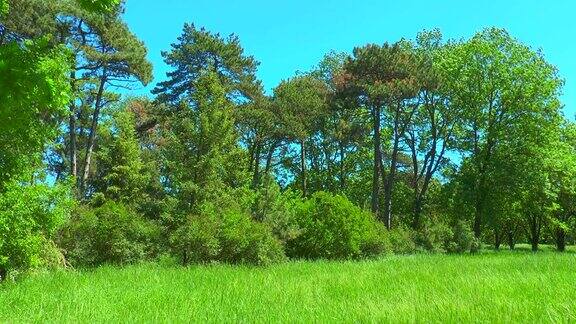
column 72, row 130
column 92, row 134
column 389, row 185
column 303, row 167
column 377, row 168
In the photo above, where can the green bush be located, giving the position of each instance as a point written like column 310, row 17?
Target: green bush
column 463, row 239
column 111, row 233
column 402, row 240
column 226, row 235
column 434, row 236
column 277, row 209
column 332, row 227
column 29, row 216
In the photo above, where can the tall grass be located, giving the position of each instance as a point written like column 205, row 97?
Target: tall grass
column 492, row 287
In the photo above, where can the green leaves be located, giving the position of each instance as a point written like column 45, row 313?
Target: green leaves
column 35, row 92
column 4, row 8
column 198, row 51
column 99, row 6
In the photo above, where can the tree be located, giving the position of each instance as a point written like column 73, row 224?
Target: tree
column 105, row 55
column 504, row 90
column 32, row 100
column 563, row 177
column 382, row 78
column 302, row 102
column 200, row 151
column 198, row 51
column 430, row 134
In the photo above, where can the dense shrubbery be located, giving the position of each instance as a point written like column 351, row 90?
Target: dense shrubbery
column 277, row 210
column 463, row 239
column 110, row 233
column 229, row 236
column 434, row 236
column 402, row 240
column 29, row 216
column 334, row 228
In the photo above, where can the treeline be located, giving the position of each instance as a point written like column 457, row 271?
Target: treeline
column 416, row 145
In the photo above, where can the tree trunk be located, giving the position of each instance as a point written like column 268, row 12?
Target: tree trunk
column 92, row 135
column 417, row 210
column 256, row 175
column 269, row 157
column 478, row 219
column 511, row 241
column 497, row 239
column 342, row 167
column 534, row 233
column 377, row 162
column 534, row 243
column 3, row 273
column 561, row 240
column 303, row 166
column 72, row 129
column 390, row 184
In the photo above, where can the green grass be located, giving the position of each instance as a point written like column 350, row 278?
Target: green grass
column 490, row 287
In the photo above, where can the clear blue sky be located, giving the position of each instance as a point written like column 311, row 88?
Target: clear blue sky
column 288, row 36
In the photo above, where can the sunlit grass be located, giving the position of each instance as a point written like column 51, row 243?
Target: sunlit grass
column 490, row 287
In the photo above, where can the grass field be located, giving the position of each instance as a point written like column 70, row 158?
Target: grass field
column 490, row 287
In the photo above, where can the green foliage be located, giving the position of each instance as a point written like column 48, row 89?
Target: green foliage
column 434, row 236
column 199, row 146
column 119, row 169
column 111, row 233
column 99, row 6
column 334, row 228
column 402, row 240
column 277, row 210
column 463, row 239
column 29, row 216
column 225, row 235
column 4, row 8
column 35, row 91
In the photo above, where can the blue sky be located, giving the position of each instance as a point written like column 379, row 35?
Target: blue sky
column 290, row 36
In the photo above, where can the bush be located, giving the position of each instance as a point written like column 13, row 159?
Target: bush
column 401, row 240
column 434, row 237
column 332, row 227
column 111, row 233
column 29, row 216
column 463, row 239
column 229, row 236
column 277, row 210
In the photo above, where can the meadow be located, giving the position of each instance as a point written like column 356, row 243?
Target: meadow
column 488, row 287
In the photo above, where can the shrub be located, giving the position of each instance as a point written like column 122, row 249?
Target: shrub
column 332, row 227
column 401, row 240
column 277, row 210
column 29, row 216
column 111, row 233
column 229, row 236
column 463, row 239
column 434, row 236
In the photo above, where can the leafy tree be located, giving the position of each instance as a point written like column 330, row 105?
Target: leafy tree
column 302, row 102
column 34, row 93
column 505, row 90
